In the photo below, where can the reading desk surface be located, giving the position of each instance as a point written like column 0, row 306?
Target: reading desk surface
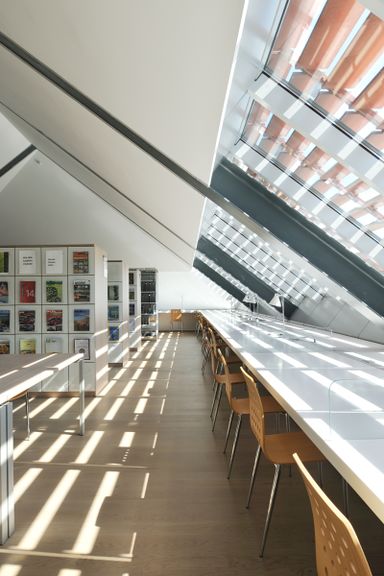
column 331, row 385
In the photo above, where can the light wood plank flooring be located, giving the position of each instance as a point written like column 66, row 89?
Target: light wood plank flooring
column 145, row 493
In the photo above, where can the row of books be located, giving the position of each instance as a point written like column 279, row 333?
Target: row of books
column 51, row 344
column 54, row 261
column 81, row 291
column 53, row 318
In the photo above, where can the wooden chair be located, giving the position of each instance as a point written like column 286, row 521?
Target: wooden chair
column 220, row 380
column 176, row 316
column 278, row 448
column 338, row 550
column 240, row 407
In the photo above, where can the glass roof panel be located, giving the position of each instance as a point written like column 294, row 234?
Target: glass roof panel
column 314, row 183
column 331, row 53
column 259, row 258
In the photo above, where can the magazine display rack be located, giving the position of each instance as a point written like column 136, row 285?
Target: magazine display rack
column 118, row 345
column 149, row 314
column 53, row 299
column 134, row 288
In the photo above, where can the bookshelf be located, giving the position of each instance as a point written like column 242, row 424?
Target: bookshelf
column 53, row 299
column 118, row 345
column 134, row 279
column 149, row 314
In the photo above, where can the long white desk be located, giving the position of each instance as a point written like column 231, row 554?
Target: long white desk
column 18, row 374
column 315, row 384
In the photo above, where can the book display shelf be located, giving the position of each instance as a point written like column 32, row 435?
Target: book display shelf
column 118, row 344
column 53, row 299
column 134, row 287
column 149, row 314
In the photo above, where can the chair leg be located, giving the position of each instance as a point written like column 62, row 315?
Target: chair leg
column 220, row 393
column 27, row 414
column 214, row 398
column 234, row 445
column 253, row 476
column 271, row 504
column 230, row 420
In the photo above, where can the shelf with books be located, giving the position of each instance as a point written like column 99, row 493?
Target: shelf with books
column 149, row 316
column 134, row 309
column 118, row 309
column 49, row 303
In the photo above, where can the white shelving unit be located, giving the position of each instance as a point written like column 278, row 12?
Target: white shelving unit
column 149, row 314
column 53, row 299
column 118, row 345
column 134, row 287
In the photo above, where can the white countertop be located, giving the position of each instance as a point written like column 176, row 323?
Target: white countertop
column 320, row 380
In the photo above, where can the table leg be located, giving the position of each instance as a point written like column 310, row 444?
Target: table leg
column 82, row 398
column 7, row 504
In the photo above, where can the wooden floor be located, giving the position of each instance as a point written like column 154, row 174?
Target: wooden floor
column 144, row 492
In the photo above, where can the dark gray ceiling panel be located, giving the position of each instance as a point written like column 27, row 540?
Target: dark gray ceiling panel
column 242, row 274
column 218, row 279
column 286, row 224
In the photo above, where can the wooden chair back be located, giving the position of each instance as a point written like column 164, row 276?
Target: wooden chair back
column 256, row 409
column 338, row 550
column 228, row 386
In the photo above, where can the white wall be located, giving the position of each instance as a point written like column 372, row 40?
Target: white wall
column 189, row 291
column 45, row 205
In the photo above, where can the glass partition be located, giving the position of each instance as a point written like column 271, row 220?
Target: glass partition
column 356, row 408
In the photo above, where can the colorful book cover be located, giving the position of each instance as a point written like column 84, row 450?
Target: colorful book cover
column 27, row 291
column 27, row 320
column 80, row 262
column 53, row 344
column 113, row 313
column 27, row 346
column 54, row 290
column 81, row 291
column 4, row 262
column 5, row 347
column 81, row 320
column 82, row 346
column 4, row 294
column 54, row 320
column 5, row 320
column 114, row 333
column 113, row 292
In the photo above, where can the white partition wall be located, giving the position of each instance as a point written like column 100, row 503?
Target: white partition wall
column 53, row 299
column 118, row 344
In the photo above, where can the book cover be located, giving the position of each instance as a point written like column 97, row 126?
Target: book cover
column 81, row 320
column 27, row 320
column 80, row 262
column 5, row 347
column 53, row 344
column 113, row 313
column 54, row 320
column 5, row 320
column 82, row 346
column 4, row 262
column 4, row 294
column 114, row 333
column 113, row 292
column 27, row 346
column 27, row 262
column 54, row 262
column 82, row 291
column 54, row 290
column 27, row 291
